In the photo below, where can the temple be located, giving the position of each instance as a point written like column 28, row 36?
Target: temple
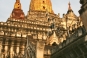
column 42, row 33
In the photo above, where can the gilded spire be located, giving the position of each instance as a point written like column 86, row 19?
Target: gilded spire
column 17, row 4
column 17, row 12
column 41, row 5
column 17, row 0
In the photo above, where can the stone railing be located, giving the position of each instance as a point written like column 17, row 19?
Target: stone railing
column 2, row 33
column 13, row 27
column 36, row 22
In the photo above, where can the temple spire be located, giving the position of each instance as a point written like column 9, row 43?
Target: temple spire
column 17, row 4
column 69, row 6
column 17, row 12
column 41, row 5
column 17, row 0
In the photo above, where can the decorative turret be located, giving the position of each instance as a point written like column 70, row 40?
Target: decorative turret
column 41, row 5
column 70, row 12
column 69, row 8
column 17, row 4
column 70, row 21
column 17, row 12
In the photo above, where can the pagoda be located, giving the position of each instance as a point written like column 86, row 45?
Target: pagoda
column 39, row 34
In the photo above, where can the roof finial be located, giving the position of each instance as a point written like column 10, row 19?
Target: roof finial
column 69, row 6
column 17, row 12
column 17, row 0
column 17, row 4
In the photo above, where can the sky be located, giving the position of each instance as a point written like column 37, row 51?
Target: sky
column 58, row 6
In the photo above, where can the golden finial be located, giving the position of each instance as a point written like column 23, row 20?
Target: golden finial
column 17, row 4
column 17, row 12
column 17, row 0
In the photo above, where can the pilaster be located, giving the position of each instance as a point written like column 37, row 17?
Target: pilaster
column 40, row 49
column 12, row 50
column 1, row 49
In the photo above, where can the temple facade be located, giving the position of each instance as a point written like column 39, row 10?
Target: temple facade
column 39, row 34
